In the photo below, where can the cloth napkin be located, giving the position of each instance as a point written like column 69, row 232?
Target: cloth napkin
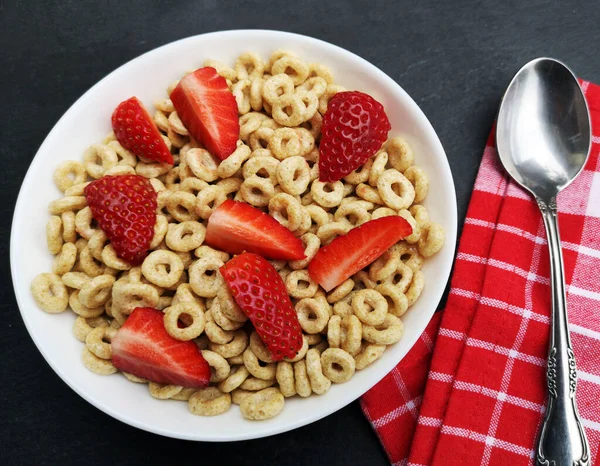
column 473, row 392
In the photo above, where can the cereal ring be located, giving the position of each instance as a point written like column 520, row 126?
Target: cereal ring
column 395, row 190
column 98, row 341
column 66, row 204
column 253, row 364
column 209, row 401
column 382, row 212
column 257, row 191
column 259, row 349
column 419, row 180
column 416, row 287
column 230, row 185
column 327, row 194
column 313, row 314
column 69, row 174
column 317, row 214
column 313, row 125
column 108, row 256
column 219, row 366
column 99, row 158
column 351, row 334
column 95, row 364
column 300, row 285
column 221, row 319
column 184, row 294
column 82, row 326
column 263, row 167
column 294, row 67
column 338, row 365
column 318, row 382
column 204, row 277
column 237, row 376
column 334, row 336
column 195, row 321
column 286, row 210
column 222, row 69
column 176, row 125
column 341, row 291
column 378, row 167
column 161, row 120
column 241, row 92
column 321, row 71
column 251, row 121
column 216, row 334
column 396, row 299
column 50, row 293
column 83, row 223
column 249, row 65
column 185, row 236
column 182, row 206
column 420, row 215
column 202, row 164
column 432, row 240
column 311, row 247
column 315, row 84
column 370, row 353
column 332, row 89
column 293, row 175
column 82, row 310
column 256, row 98
column 261, row 405
column 95, row 292
column 361, row 174
column 127, row 296
column 124, row 157
column 184, row 394
column 65, row 260
column 229, row 307
column 120, row 170
column 401, row 277
column 343, row 307
column 276, row 86
column 152, row 169
column 302, row 382
column 259, row 139
column 416, row 229
column 330, row 231
column 205, row 250
column 162, row 268
column 400, row 154
column 285, row 143
column 166, row 105
column 307, row 141
column 233, row 348
column 369, row 306
column 76, row 189
column 54, row 236
column 234, row 162
column 388, row 333
column 385, row 265
column 366, row 192
column 163, row 392
column 285, row 378
column 254, row 384
column 134, row 378
column 353, row 213
column 290, row 109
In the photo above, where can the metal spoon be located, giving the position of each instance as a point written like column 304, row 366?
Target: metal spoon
column 543, row 138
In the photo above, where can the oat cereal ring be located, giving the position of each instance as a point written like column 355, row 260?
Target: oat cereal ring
column 66, row 204
column 341, row 291
column 241, row 92
column 259, row 349
column 109, row 257
column 330, row 231
column 385, row 265
column 50, row 293
column 184, row 294
column 388, row 333
column 184, row 394
column 219, row 366
column 182, row 206
column 416, row 229
column 332, row 89
column 300, row 285
column 209, row 401
column 222, row 69
column 302, row 382
column 432, row 240
column 369, row 354
column 284, row 143
column 221, row 319
column 69, row 174
column 351, row 334
column 416, row 287
column 95, row 292
column 305, row 223
column 400, row 154
column 251, row 121
column 127, row 296
column 82, row 326
column 420, row 215
column 317, row 214
column 396, row 299
column 286, row 210
column 368, row 193
column 293, row 175
column 313, row 125
column 95, row 364
column 257, row 191
column 263, row 167
column 185, row 236
column 353, row 213
column 205, row 250
column 229, row 307
column 234, row 347
column 318, row 382
column 249, row 65
column 313, row 314
column 81, row 310
column 343, row 307
column 311, row 103
column 361, row 174
column 157, row 185
column 334, row 335
column 124, row 157
column 174, row 178
column 216, row 334
column 327, row 194
column 263, row 404
column 192, row 185
column 315, row 84
column 237, row 376
column 290, row 109
column 83, row 223
column 285, row 378
column 120, row 170
column 161, row 120
column 195, row 321
column 276, row 86
column 378, row 167
column 99, row 158
column 163, row 392
column 160, row 230
column 164, row 302
column 409, row 255
column 259, row 139
column 419, row 180
column 256, row 98
column 77, row 189
column 203, row 165
column 152, row 169
column 338, row 365
column 209, row 199
column 166, row 105
column 311, row 247
column 204, row 276
column 98, row 341
column 260, row 371
column 238, row 395
column 307, row 141
column 230, row 185
column 321, row 71
column 401, row 277
column 369, row 306
column 291, row 66
column 255, row 384
column 395, row 190
column 176, row 125
column 65, row 260
column 54, row 234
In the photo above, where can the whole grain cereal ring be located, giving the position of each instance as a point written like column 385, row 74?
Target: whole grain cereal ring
column 234, row 347
column 401, row 277
column 334, row 335
column 263, row 167
column 184, row 294
column 351, row 334
column 255, row 384
column 216, row 334
column 369, row 306
column 163, row 392
column 97, row 159
column 185, row 236
column 263, row 404
column 409, row 255
column 341, row 291
column 120, row 170
column 77, row 189
column 230, row 185
column 96, row 291
column 400, row 154
column 327, row 194
column 124, row 157
column 162, row 268
column 176, row 125
column 332, row 89
column 182, row 206
column 221, row 68
column 313, row 314
column 166, row 105
column 293, row 175
column 343, row 307
column 368, row 193
column 315, row 84
column 98, row 341
column 338, row 365
column 307, row 141
column 241, row 92
column 133, row 378
column 202, row 164
column 318, row 382
column 209, row 401
column 361, row 174
column 388, row 333
column 236, row 377
column 416, row 287
column 81, row 310
column 173, row 179
column 317, row 214
column 220, row 368
column 353, row 213
column 205, row 250
column 420, row 215
column 432, row 240
column 82, row 326
column 259, row 139
column 369, row 354
column 204, row 277
column 238, row 395
column 286, row 210
column 330, row 231
column 161, row 119
column 313, row 125
column 127, row 296
column 177, row 140
column 249, row 65
column 290, row 109
column 285, row 143
column 294, row 67
column 229, row 307
column 83, row 223
column 256, row 98
column 419, row 180
column 54, row 234
column 311, row 247
column 221, row 319
column 66, row 204
column 251, row 121
column 385, row 265
column 301, row 352
column 285, row 378
column 184, row 394
column 300, row 285
column 260, row 371
column 276, row 86
column 161, row 228
column 259, row 349
column 397, row 301
column 164, row 302
column 395, row 190
column 152, row 169
column 194, row 318
column 95, row 364
column 65, row 259
column 311, row 106
column 416, row 229
column 50, row 293
column 234, row 162
column 302, row 382
column 257, row 191
column 108, row 256
column 305, row 223
column 157, row 185
column 378, row 167
column 321, row 71
column 68, row 174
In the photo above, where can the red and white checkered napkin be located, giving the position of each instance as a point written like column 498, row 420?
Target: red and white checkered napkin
column 475, row 394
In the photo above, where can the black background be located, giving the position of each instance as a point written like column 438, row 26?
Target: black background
column 453, row 57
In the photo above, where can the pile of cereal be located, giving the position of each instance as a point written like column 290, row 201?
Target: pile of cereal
column 274, row 167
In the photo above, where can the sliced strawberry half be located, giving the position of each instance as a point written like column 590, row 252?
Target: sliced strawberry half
column 143, row 347
column 260, row 292
column 208, row 110
column 236, row 227
column 349, row 253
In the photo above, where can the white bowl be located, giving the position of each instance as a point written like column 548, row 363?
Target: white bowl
column 88, row 121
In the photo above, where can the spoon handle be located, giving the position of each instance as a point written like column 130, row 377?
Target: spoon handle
column 562, row 440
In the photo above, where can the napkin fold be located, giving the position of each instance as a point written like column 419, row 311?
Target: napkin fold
column 472, row 390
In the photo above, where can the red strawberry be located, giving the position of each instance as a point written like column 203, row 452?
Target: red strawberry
column 137, row 132
column 125, row 208
column 236, row 227
column 259, row 290
column 354, row 128
column 349, row 253
column 143, row 347
column 208, row 110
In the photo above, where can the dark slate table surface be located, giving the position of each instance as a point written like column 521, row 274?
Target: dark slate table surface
column 453, row 57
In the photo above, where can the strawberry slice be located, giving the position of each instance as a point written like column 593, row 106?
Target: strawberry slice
column 208, row 110
column 236, row 227
column 136, row 131
column 143, row 347
column 349, row 253
column 260, row 292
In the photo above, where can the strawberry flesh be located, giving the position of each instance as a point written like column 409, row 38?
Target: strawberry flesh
column 143, row 347
column 236, row 227
column 349, row 253
column 260, row 292
column 208, row 110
